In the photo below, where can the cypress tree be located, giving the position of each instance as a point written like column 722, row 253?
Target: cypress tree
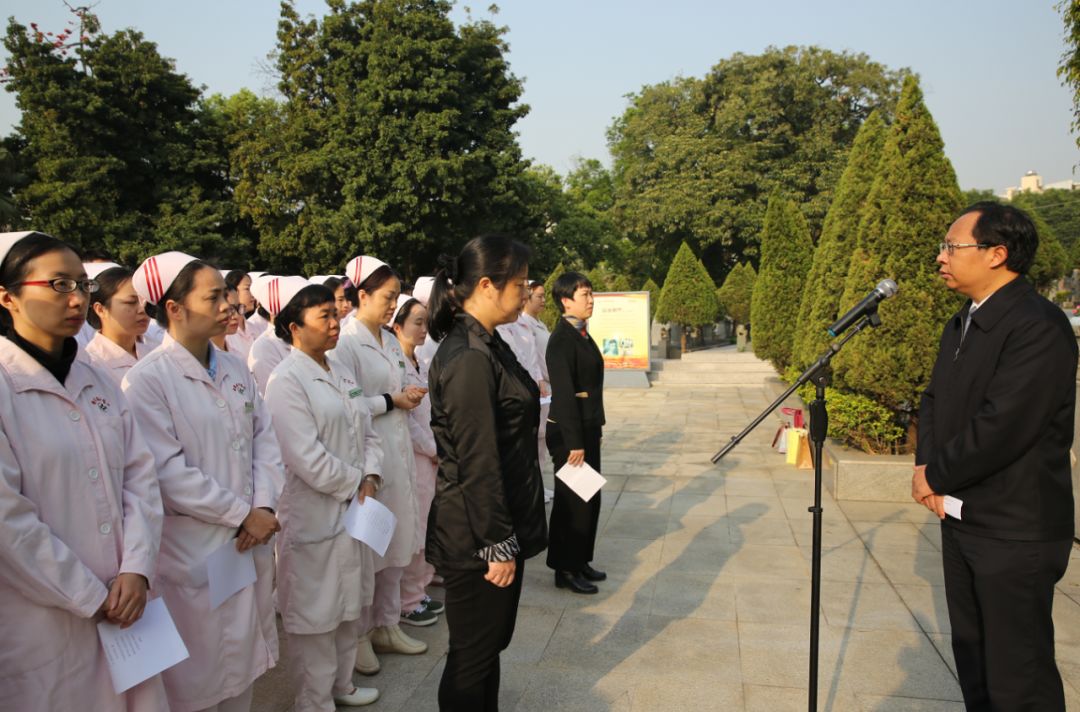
column 550, row 315
column 914, row 199
column 654, row 295
column 689, row 294
column 737, row 292
column 786, row 253
column 828, row 273
column 1051, row 259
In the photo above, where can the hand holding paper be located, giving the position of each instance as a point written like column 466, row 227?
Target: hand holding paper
column 582, row 479
column 137, row 653
column 371, row 523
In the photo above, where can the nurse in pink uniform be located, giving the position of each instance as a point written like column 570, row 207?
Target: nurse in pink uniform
column 119, row 315
column 80, row 509
column 220, row 472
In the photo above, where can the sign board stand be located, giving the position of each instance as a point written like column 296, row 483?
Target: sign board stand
column 620, row 328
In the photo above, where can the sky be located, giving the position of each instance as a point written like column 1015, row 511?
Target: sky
column 988, row 68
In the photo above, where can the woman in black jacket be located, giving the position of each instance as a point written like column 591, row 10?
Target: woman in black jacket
column 574, row 430
column 488, row 512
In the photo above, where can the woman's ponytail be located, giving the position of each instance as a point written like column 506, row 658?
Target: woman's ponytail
column 442, row 305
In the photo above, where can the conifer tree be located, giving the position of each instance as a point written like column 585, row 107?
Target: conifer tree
column 786, row 254
column 825, row 283
column 737, row 292
column 689, row 294
column 914, row 199
column 654, row 295
column 550, row 315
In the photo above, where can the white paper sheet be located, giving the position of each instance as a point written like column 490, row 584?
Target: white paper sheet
column 583, row 480
column 545, row 400
column 229, row 571
column 953, row 506
column 137, row 653
column 371, row 523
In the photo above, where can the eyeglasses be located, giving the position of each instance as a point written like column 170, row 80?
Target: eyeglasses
column 237, row 309
column 65, row 285
column 952, row 247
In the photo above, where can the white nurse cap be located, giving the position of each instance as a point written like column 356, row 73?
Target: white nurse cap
column 8, row 240
column 320, row 279
column 401, row 301
column 360, row 268
column 93, row 269
column 274, row 293
column 156, row 274
column 422, row 290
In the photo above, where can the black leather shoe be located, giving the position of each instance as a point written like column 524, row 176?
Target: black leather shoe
column 574, row 582
column 590, row 574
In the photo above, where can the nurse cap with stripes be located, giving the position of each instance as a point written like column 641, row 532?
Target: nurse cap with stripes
column 360, row 268
column 274, row 293
column 156, row 274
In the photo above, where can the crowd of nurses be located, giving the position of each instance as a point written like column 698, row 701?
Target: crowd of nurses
column 151, row 418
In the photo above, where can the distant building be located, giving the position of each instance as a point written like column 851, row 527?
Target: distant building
column 1032, row 182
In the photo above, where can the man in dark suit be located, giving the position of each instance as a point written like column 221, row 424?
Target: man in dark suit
column 995, row 429
column 575, row 425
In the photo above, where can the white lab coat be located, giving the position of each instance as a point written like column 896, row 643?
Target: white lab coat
column 266, row 353
column 111, row 358
column 381, row 369
column 424, row 353
column 79, row 504
column 217, row 457
column 257, row 324
column 540, row 336
column 240, row 343
column 424, row 453
column 518, row 335
column 325, row 577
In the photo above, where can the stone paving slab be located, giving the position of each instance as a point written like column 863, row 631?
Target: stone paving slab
column 708, row 597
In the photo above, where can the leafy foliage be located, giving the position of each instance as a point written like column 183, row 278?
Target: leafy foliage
column 654, row 295
column 696, row 159
column 550, row 314
column 688, row 297
column 858, row 421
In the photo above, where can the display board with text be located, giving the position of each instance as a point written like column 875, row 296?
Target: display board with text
column 620, row 328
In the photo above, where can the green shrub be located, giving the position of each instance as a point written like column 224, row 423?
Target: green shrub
column 654, row 295
column 550, row 315
column 858, row 421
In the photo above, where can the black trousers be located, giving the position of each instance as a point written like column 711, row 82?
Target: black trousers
column 572, row 532
column 1000, row 595
column 480, row 617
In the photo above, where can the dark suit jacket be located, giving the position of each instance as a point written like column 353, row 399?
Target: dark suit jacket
column 576, row 370
column 996, row 421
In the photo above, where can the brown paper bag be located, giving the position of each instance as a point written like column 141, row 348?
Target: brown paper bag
column 804, row 458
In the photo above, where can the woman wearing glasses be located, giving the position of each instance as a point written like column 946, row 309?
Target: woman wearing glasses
column 220, row 473
column 80, row 509
column 119, row 316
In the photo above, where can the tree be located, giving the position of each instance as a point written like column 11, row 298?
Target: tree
column 654, row 295
column 1052, row 261
column 550, row 314
column 696, row 159
column 397, row 136
column 737, row 292
column 118, row 152
column 688, row 297
column 1069, row 68
column 825, row 282
column 913, row 200
column 786, row 254
column 1059, row 208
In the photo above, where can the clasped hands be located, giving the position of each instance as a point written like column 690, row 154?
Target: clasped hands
column 921, row 493
column 257, row 528
column 409, row 397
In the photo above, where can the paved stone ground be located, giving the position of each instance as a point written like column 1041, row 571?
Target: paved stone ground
column 707, row 601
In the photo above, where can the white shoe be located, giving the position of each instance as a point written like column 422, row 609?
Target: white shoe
column 392, row 640
column 359, row 697
column 366, row 662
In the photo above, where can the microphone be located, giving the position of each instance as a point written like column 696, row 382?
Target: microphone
column 886, row 288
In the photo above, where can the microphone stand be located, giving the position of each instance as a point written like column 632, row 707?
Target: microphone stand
column 819, row 426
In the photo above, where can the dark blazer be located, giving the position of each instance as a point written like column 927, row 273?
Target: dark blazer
column 996, row 421
column 576, row 369
column 484, row 408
